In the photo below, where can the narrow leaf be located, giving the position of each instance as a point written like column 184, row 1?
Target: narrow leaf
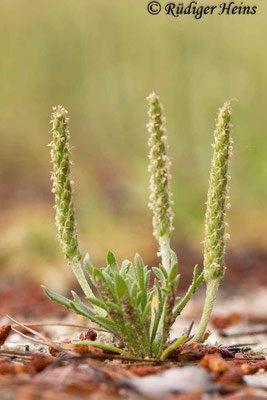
column 76, row 298
column 57, row 297
column 97, row 274
column 87, row 265
column 191, row 290
column 147, row 279
column 173, row 273
column 97, row 302
column 101, row 321
column 146, row 312
column 115, row 307
column 159, row 274
column 176, row 281
column 172, row 347
column 163, row 270
column 174, row 259
column 111, row 258
column 103, row 346
column 158, row 292
column 140, row 271
column 110, row 285
column 121, row 286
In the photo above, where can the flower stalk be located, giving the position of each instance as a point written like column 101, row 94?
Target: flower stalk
column 159, row 167
column 62, row 189
column 217, row 202
column 164, row 310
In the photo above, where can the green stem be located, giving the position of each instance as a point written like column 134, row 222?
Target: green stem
column 164, row 245
column 212, row 287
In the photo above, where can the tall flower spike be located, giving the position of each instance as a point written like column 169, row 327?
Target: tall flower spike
column 217, row 202
column 65, row 221
column 217, row 199
column 62, row 188
column 159, row 166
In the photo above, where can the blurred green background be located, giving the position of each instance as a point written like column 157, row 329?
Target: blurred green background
column 100, row 59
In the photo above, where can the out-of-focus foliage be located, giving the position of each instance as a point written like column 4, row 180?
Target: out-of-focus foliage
column 101, row 59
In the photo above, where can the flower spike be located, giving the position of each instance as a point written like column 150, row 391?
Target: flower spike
column 159, row 167
column 217, row 202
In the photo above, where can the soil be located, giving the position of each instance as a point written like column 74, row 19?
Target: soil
column 233, row 358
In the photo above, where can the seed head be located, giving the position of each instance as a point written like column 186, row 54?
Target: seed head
column 62, row 188
column 217, row 201
column 159, row 166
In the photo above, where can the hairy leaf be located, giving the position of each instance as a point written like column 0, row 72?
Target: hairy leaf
column 121, row 286
column 57, row 297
